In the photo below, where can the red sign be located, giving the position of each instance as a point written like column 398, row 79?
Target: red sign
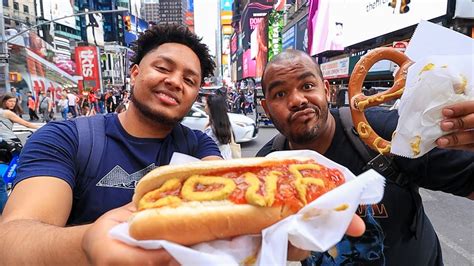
column 400, row 46
column 87, row 60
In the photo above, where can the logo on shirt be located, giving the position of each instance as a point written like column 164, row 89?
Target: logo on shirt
column 119, row 178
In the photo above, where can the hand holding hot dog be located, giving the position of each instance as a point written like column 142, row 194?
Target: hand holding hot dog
column 101, row 249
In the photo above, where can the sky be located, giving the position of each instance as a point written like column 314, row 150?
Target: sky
column 205, row 22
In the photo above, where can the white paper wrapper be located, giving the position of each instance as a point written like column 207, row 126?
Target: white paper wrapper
column 318, row 226
column 433, row 82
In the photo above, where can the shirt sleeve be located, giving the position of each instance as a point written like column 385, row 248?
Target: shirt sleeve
column 206, row 146
column 50, row 151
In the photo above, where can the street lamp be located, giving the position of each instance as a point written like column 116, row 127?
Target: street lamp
column 4, row 56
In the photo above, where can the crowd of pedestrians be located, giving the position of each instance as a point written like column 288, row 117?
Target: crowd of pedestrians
column 70, row 104
column 241, row 102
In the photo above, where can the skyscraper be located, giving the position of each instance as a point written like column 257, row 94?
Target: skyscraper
column 150, row 10
column 173, row 11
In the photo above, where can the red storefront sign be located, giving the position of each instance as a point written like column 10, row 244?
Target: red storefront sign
column 87, row 60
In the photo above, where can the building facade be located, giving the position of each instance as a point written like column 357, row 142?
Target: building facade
column 173, row 11
column 150, row 10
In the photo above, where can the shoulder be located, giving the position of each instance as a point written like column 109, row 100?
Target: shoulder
column 267, row 148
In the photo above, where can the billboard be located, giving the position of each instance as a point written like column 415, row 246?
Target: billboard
column 301, row 34
column 87, row 60
column 288, row 39
column 138, row 26
column 226, row 5
column 325, row 25
column 251, row 17
column 95, row 29
column 336, row 69
column 275, row 27
column 335, row 24
column 261, row 46
column 53, row 9
column 248, row 65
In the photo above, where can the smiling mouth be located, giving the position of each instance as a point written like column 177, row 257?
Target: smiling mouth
column 167, row 98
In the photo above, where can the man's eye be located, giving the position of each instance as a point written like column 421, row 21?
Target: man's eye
column 308, row 86
column 162, row 69
column 280, row 94
column 189, row 81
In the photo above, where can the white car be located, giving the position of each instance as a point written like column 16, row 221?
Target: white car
column 244, row 127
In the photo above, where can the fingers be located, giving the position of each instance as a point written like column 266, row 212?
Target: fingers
column 459, row 109
column 463, row 122
column 356, row 227
column 459, row 119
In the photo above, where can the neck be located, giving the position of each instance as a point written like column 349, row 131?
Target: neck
column 323, row 141
column 137, row 125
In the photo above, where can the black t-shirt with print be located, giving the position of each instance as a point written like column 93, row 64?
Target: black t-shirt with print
column 398, row 231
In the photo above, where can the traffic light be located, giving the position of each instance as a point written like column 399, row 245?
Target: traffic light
column 15, row 77
column 404, row 6
column 127, row 22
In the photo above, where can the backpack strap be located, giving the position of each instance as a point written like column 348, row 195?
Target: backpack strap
column 386, row 167
column 351, row 133
column 91, row 145
column 379, row 162
column 182, row 139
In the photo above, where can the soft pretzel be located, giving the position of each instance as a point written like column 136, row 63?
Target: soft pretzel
column 359, row 102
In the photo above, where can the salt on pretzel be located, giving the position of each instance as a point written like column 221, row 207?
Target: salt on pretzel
column 359, row 102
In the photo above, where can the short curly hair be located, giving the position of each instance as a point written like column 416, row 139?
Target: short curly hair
column 173, row 33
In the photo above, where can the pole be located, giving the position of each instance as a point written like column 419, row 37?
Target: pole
column 56, row 19
column 4, row 67
column 219, row 43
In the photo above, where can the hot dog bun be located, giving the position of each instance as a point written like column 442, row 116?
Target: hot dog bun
column 188, row 222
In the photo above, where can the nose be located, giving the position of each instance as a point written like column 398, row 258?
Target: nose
column 174, row 80
column 296, row 100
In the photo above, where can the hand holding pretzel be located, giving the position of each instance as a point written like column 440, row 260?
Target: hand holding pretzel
column 459, row 118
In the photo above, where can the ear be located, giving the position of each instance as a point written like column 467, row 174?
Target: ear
column 265, row 107
column 328, row 91
column 134, row 71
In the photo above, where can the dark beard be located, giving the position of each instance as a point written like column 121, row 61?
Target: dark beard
column 307, row 136
column 153, row 115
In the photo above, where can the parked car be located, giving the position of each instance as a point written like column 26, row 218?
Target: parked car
column 244, row 127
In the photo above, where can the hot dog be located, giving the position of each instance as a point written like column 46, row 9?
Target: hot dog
column 210, row 200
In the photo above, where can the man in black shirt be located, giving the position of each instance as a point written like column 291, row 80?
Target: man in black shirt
column 398, row 231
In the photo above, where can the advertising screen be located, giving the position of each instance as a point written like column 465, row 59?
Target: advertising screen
column 138, row 26
column 301, row 33
column 53, row 9
column 335, row 24
column 288, row 39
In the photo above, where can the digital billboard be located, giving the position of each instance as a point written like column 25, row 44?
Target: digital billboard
column 53, row 9
column 335, row 24
column 288, row 37
column 251, row 17
column 137, row 26
column 301, row 34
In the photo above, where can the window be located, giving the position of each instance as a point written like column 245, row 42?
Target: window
column 26, row 9
column 5, row 2
column 16, row 6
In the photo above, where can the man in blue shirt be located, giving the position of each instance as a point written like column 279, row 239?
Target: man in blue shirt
column 52, row 216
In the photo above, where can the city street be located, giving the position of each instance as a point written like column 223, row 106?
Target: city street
column 452, row 216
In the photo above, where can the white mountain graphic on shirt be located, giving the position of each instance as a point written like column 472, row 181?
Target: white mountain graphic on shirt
column 119, row 178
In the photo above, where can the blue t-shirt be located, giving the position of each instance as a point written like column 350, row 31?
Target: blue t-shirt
column 52, row 151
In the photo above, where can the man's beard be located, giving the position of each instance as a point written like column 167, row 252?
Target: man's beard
column 154, row 115
column 303, row 136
